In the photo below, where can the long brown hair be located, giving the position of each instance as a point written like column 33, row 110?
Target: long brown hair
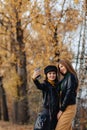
column 68, row 66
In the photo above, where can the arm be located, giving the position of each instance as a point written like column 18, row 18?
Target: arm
column 39, row 85
column 71, row 87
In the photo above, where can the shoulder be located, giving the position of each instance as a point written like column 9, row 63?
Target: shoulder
column 73, row 78
column 45, row 83
column 70, row 75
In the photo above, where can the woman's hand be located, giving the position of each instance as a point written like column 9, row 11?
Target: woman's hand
column 59, row 114
column 35, row 74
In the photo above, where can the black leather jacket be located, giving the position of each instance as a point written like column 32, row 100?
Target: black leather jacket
column 50, row 95
column 68, row 90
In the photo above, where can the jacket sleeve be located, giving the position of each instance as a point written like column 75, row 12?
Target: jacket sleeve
column 71, row 86
column 41, row 86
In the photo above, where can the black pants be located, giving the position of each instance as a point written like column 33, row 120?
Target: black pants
column 53, row 121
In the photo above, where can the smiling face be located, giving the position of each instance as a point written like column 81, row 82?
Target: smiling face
column 62, row 69
column 51, row 75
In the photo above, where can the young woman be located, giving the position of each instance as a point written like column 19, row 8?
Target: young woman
column 47, row 119
column 68, row 89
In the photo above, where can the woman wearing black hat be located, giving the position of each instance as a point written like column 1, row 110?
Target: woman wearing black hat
column 47, row 119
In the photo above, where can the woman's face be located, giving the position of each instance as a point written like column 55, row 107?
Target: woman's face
column 62, row 69
column 51, row 75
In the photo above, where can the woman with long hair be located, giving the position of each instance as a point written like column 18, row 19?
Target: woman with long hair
column 68, row 91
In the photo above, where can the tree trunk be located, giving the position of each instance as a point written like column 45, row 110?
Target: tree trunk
column 3, row 103
column 21, row 112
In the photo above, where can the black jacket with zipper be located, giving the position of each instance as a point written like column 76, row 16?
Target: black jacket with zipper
column 68, row 88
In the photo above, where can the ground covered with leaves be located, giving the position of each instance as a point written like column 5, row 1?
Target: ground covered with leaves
column 11, row 126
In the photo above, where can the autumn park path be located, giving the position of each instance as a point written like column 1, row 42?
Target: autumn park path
column 10, row 126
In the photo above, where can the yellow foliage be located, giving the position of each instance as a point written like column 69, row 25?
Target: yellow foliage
column 76, row 1
column 3, row 52
column 61, row 52
column 10, row 81
column 40, row 44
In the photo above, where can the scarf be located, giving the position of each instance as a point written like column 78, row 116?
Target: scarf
column 52, row 82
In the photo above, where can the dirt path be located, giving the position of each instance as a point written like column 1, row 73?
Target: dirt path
column 10, row 126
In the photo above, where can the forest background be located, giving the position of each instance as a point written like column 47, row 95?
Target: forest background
column 35, row 33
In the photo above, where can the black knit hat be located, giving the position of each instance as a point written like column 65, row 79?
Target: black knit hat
column 50, row 68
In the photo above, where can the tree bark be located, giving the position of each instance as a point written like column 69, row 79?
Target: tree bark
column 3, row 103
column 21, row 112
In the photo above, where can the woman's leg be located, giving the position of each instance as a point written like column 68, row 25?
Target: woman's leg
column 65, row 121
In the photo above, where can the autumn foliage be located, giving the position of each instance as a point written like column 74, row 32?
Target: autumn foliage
column 34, row 34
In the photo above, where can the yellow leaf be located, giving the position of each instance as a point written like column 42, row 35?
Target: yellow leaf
column 76, row 1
